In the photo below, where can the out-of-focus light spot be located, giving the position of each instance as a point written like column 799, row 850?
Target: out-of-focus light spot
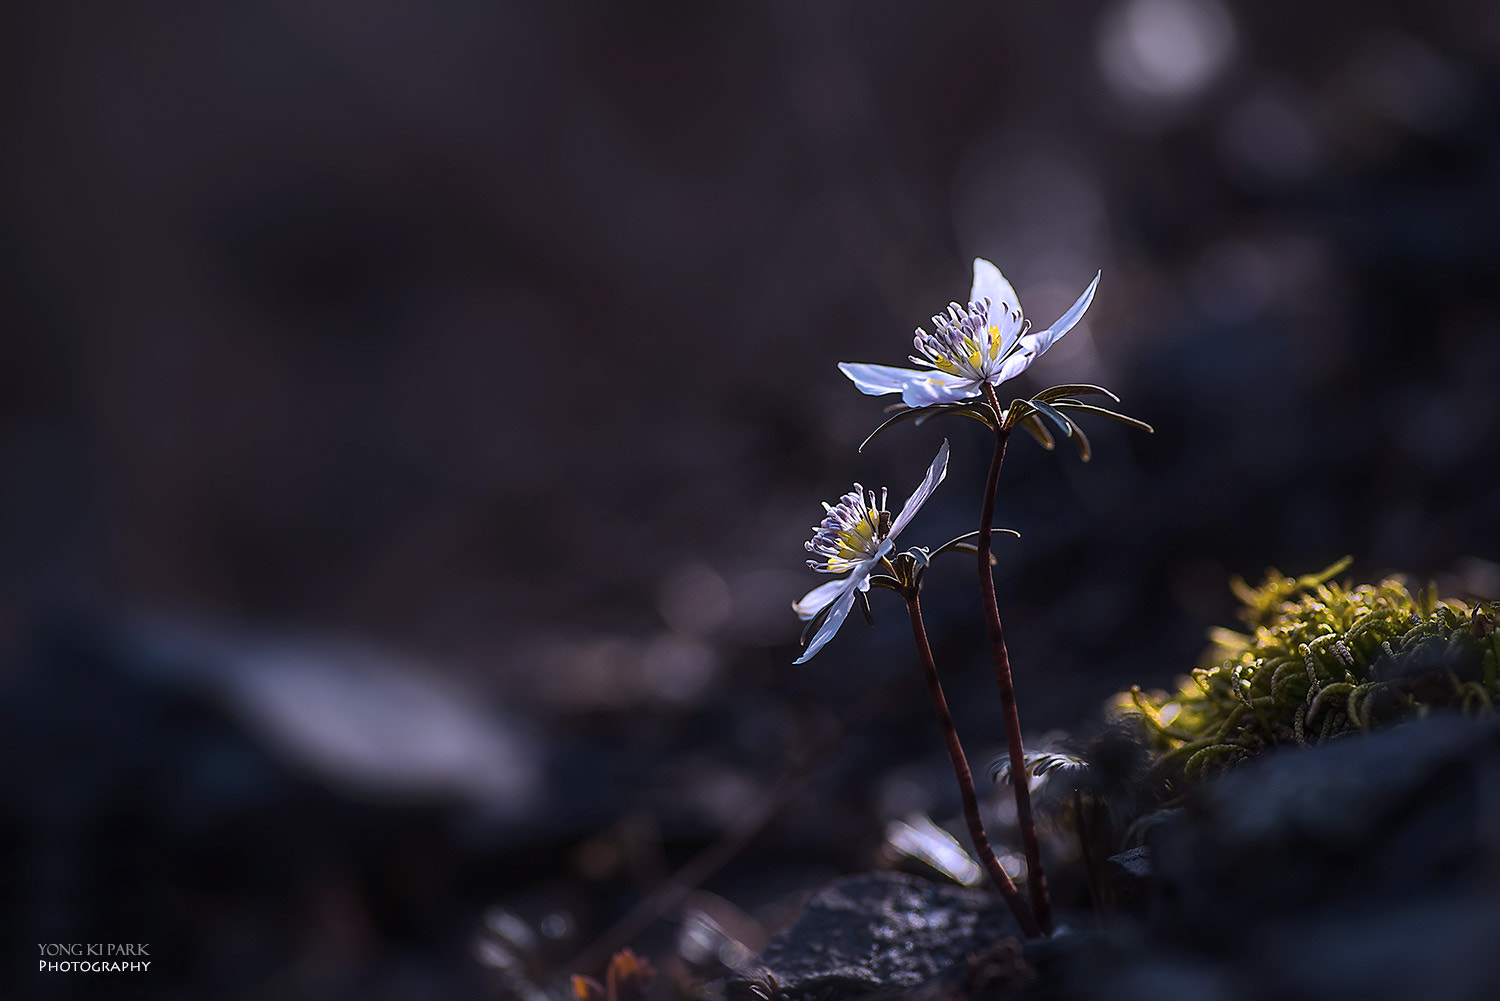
column 678, row 668
column 694, row 599
column 1164, row 51
column 1271, row 138
column 1233, row 281
column 557, row 925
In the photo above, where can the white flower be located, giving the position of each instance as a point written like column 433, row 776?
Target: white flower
column 856, row 535
column 989, row 342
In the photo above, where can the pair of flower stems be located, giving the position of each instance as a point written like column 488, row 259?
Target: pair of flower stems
column 1035, row 919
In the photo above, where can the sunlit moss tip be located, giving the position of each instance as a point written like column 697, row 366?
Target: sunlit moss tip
column 1320, row 660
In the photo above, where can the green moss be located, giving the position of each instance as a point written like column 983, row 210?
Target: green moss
column 1320, row 660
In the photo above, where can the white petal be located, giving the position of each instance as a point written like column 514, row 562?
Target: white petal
column 1041, row 341
column 1015, row 363
column 988, row 281
column 938, row 387
column 836, row 617
column 875, row 380
column 819, row 598
column 935, row 474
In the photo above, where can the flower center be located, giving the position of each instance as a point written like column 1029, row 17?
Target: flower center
column 851, row 532
column 965, row 343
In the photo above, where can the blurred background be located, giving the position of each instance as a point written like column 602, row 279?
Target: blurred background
column 411, row 416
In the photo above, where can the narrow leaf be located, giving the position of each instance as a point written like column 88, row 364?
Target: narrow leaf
column 1032, row 425
column 1056, row 393
column 1085, row 450
column 1046, row 409
column 1089, row 408
column 962, row 540
column 967, row 409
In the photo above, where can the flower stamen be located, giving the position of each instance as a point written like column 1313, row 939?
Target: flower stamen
column 964, row 343
column 852, row 531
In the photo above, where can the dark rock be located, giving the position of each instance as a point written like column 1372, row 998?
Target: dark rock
column 1364, row 869
column 877, row 933
column 1384, row 817
column 1128, row 875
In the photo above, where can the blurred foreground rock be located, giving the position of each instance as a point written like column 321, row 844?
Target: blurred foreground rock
column 1368, row 869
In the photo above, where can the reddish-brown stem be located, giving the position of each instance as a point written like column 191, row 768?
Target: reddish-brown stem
column 1036, row 879
column 981, row 840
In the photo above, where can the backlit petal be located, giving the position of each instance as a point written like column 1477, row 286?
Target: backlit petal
column 935, row 474
column 818, row 598
column 938, row 387
column 875, row 380
column 1015, row 363
column 836, row 616
column 988, row 281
